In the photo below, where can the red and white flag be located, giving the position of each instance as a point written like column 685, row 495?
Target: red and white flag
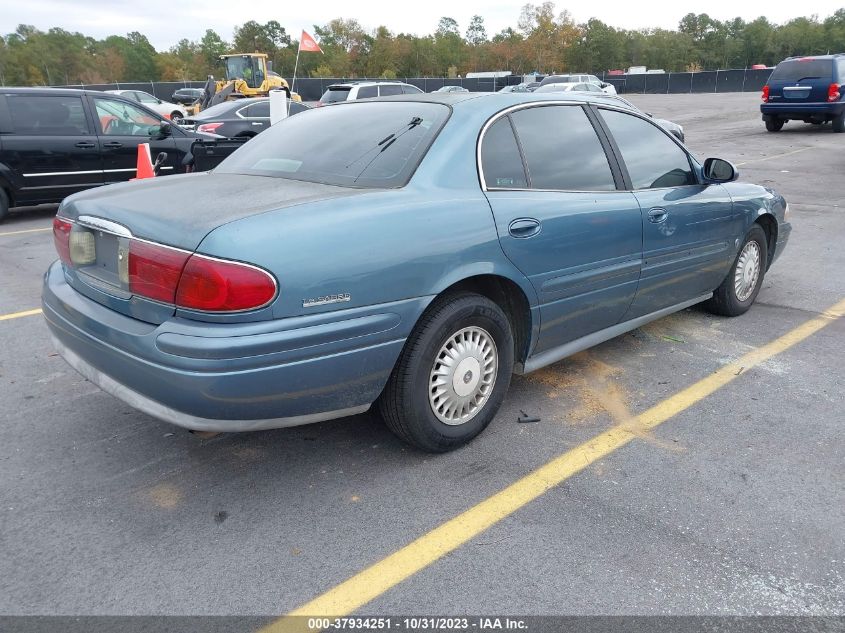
column 308, row 44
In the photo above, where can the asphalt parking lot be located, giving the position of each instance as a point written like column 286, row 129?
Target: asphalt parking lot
column 733, row 502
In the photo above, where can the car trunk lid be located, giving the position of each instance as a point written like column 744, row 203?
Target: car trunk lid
column 176, row 212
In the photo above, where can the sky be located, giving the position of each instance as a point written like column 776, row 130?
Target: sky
column 165, row 22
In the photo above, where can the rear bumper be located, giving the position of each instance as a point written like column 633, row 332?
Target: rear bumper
column 231, row 377
column 801, row 111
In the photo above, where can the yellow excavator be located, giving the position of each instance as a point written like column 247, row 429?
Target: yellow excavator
column 247, row 75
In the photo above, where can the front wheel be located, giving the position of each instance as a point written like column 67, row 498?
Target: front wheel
column 452, row 375
column 774, row 125
column 176, row 117
column 740, row 288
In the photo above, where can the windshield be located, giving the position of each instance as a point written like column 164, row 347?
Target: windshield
column 797, row 69
column 246, row 68
column 362, row 144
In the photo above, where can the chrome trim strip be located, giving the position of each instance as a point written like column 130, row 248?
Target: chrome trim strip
column 63, row 173
column 107, row 226
column 86, row 172
column 585, row 342
column 186, row 420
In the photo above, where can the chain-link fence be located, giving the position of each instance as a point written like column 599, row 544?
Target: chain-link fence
column 311, row 88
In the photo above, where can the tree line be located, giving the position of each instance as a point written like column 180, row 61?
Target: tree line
column 544, row 40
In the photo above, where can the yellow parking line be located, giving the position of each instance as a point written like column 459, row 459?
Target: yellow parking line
column 49, row 228
column 18, row 315
column 765, row 158
column 375, row 580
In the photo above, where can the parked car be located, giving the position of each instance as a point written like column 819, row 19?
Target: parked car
column 348, row 280
column 569, row 86
column 172, row 111
column 187, row 96
column 55, row 142
column 523, row 87
column 352, row 90
column 451, row 89
column 242, row 117
column 807, row 89
column 606, row 88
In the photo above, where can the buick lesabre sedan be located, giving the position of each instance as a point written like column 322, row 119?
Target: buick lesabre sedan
column 408, row 253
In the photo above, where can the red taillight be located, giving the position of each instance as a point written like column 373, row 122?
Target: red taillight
column 833, row 92
column 208, row 127
column 220, row 286
column 154, row 270
column 765, row 95
column 61, row 238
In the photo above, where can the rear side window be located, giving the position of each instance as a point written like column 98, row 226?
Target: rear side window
column 334, row 94
column 806, row 68
column 652, row 158
column 361, row 144
column 562, row 150
column 367, row 92
column 260, row 110
column 389, row 90
column 47, row 115
column 500, row 158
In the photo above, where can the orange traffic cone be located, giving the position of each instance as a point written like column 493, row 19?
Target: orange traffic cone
column 145, row 162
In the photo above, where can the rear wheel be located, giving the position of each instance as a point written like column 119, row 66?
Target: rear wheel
column 452, row 375
column 774, row 125
column 742, row 284
column 839, row 123
column 4, row 205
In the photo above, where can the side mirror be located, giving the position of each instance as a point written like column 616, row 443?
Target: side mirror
column 718, row 170
column 163, row 130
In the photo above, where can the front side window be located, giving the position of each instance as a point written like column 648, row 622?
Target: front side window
column 47, row 115
column 260, row 110
column 562, row 150
column 362, row 144
column 500, row 158
column 144, row 97
column 652, row 158
column 117, row 118
column 411, row 90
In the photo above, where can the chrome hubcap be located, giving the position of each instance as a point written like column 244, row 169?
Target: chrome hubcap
column 747, row 271
column 463, row 375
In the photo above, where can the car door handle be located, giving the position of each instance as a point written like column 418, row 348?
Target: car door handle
column 657, row 215
column 257, row 123
column 86, row 145
column 112, row 144
column 524, row 227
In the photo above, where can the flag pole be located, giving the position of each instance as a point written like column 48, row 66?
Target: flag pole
column 293, row 82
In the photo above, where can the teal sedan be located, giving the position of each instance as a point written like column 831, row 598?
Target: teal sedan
column 409, row 253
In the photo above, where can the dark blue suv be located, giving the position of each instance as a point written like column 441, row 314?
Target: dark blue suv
column 806, row 89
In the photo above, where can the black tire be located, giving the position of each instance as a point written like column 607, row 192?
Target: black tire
column 839, row 123
column 405, row 403
column 4, row 205
column 774, row 125
column 725, row 301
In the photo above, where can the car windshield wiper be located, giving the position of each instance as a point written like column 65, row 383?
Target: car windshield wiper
column 387, row 141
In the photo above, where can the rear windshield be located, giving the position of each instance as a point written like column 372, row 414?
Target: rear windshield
column 335, row 94
column 797, row 69
column 359, row 144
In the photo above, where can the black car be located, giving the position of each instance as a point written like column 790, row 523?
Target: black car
column 234, row 119
column 55, row 142
column 187, row 96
